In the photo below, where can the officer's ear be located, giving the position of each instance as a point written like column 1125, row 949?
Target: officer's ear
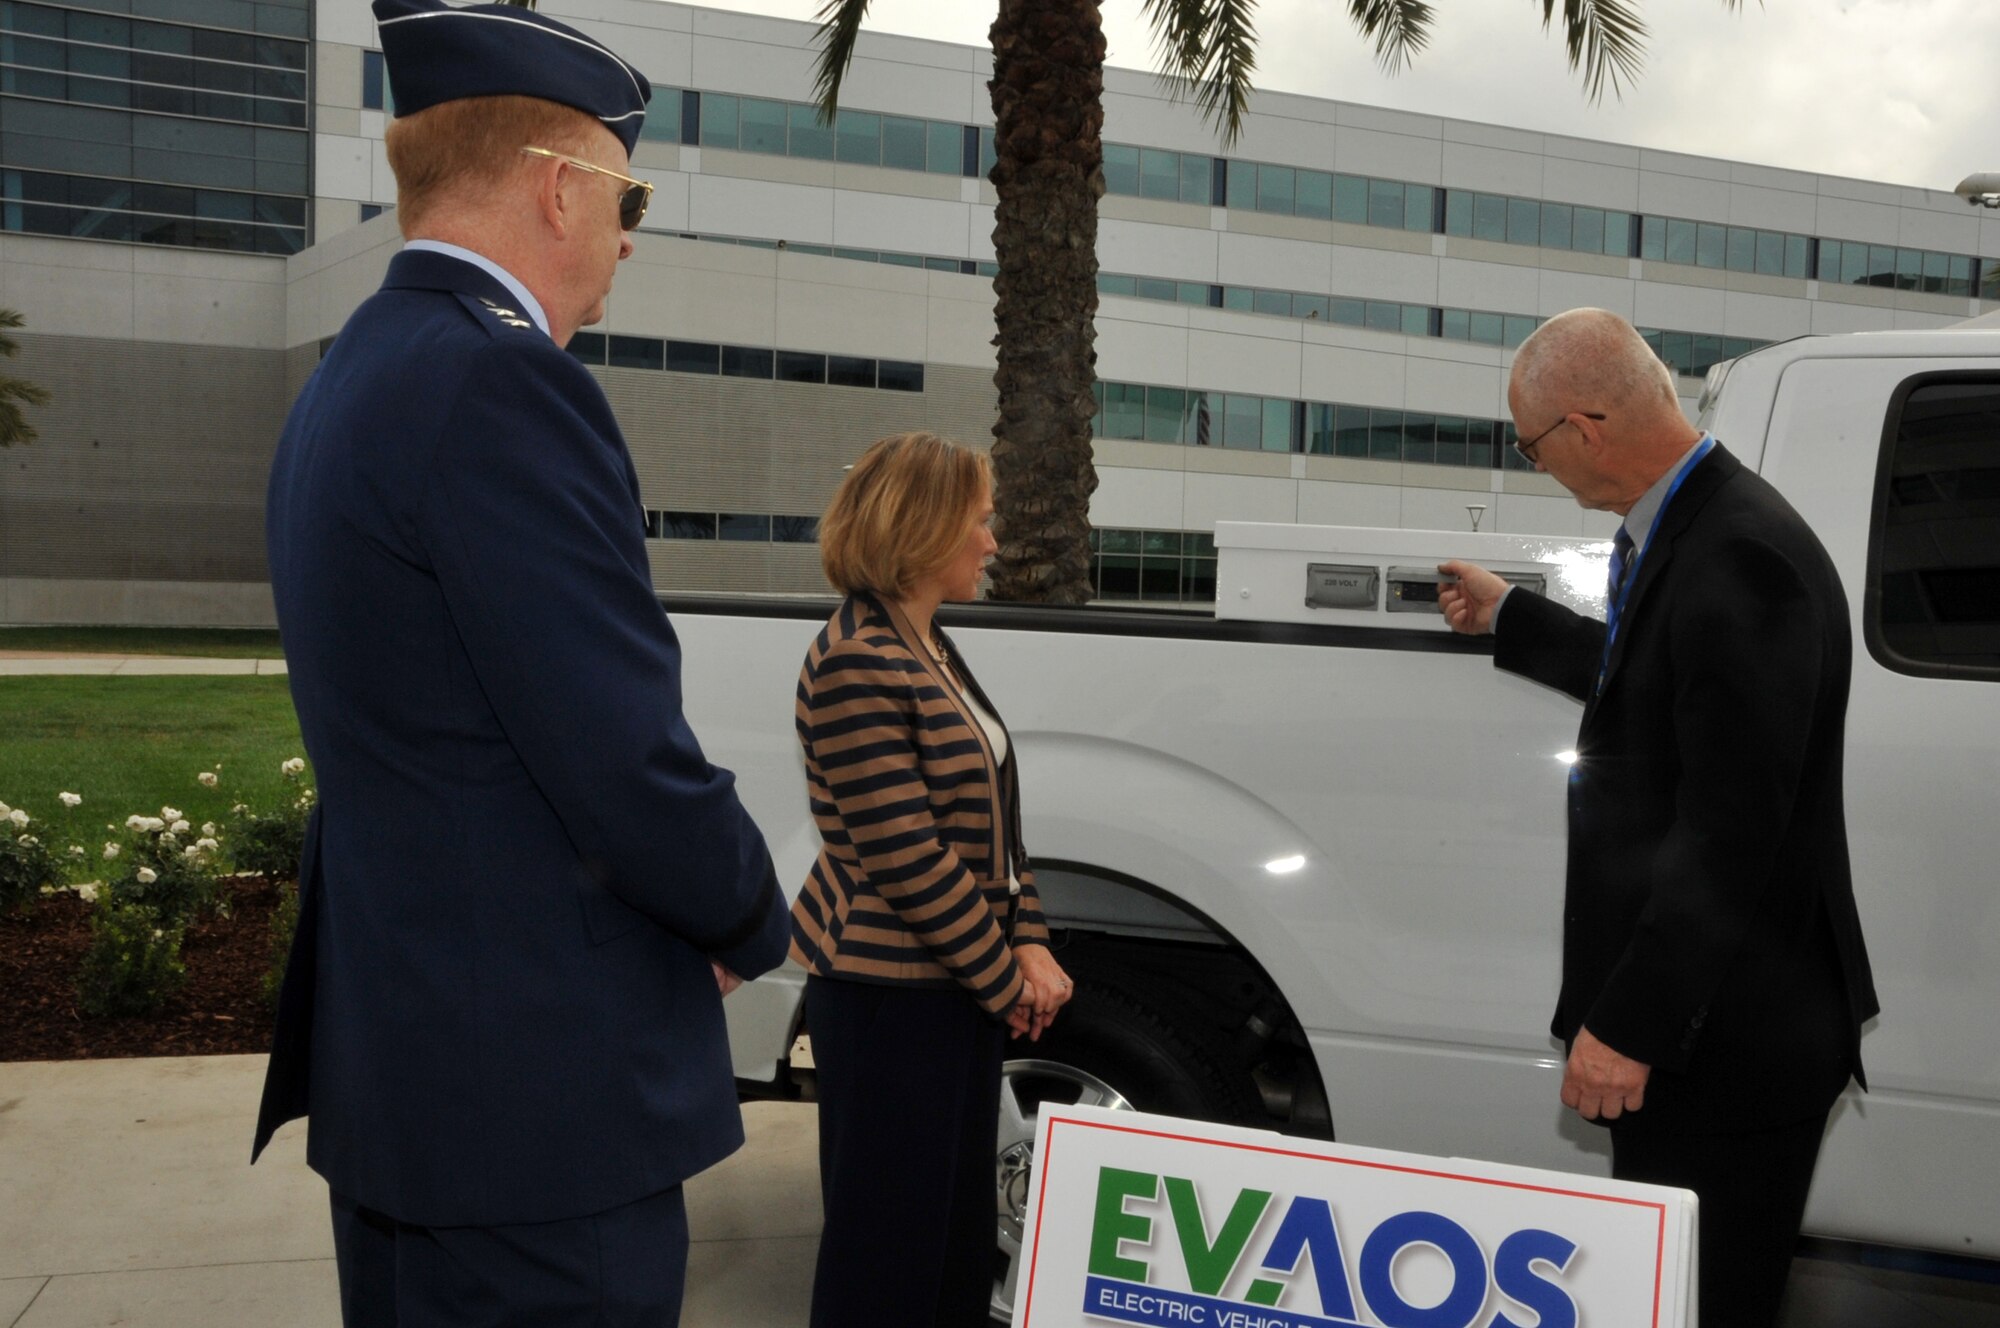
column 552, row 194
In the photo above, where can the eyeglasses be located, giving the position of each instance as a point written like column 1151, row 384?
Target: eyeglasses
column 631, row 202
column 1527, row 449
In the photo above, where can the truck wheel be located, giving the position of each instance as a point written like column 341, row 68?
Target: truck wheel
column 1120, row 1044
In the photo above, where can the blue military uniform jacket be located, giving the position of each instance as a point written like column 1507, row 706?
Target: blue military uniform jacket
column 500, row 1007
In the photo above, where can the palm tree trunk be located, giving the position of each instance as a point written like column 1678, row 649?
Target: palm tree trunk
column 1048, row 95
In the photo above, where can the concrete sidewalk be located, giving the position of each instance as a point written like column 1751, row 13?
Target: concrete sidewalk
column 19, row 662
column 126, row 1198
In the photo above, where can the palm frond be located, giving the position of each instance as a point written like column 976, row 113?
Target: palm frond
column 1178, row 28
column 1229, row 57
column 1606, row 39
column 839, row 29
column 1401, row 29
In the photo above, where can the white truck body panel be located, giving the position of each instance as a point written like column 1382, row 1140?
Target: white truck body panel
column 1418, row 946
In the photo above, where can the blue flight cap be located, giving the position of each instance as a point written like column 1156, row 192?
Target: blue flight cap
column 436, row 53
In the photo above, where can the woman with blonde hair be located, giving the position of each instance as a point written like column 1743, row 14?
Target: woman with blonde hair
column 919, row 925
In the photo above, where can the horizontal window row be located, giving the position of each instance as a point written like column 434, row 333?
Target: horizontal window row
column 121, row 95
column 1852, row 263
column 138, row 228
column 114, row 34
column 56, row 56
column 783, row 128
column 88, row 140
column 707, row 357
column 142, row 196
column 1165, row 566
column 796, row 129
column 1323, row 195
column 942, row 147
column 1687, row 353
column 275, row 18
column 760, row 528
column 1197, row 418
column 1531, row 221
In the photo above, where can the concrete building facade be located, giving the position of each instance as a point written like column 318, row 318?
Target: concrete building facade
column 1312, row 325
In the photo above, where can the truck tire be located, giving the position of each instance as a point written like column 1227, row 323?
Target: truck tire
column 1120, row 1043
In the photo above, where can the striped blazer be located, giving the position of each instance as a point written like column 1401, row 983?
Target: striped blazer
column 919, row 825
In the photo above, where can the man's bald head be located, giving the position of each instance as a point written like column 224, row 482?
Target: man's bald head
column 1599, row 408
column 1590, row 359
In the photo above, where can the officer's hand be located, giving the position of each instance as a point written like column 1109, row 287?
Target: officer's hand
column 1468, row 601
column 1599, row 1082
column 725, row 981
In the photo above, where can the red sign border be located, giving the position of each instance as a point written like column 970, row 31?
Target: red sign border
column 1041, row 1162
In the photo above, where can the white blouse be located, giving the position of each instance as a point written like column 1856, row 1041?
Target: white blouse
column 997, row 737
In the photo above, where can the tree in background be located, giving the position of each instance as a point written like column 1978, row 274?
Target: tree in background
column 16, row 393
column 1048, row 112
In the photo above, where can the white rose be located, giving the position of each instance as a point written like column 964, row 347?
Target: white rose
column 70, row 799
column 29, row 840
column 206, row 778
column 147, row 876
column 135, row 822
column 76, row 850
column 208, row 828
column 158, row 934
column 110, row 850
column 17, row 816
column 295, row 766
column 206, row 845
column 179, row 827
column 87, row 892
column 193, row 851
column 239, row 809
column 170, row 814
column 152, row 825
column 5, row 810
column 169, row 840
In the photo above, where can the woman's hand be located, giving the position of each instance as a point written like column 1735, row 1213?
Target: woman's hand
column 1044, row 990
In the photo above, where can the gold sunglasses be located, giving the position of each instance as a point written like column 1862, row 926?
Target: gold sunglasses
column 631, row 203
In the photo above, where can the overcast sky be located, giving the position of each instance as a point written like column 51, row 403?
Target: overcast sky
column 1906, row 91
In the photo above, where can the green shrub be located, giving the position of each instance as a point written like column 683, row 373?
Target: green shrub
column 269, row 845
column 284, row 924
column 134, row 961
column 26, row 863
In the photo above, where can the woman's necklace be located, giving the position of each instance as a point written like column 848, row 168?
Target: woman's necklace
column 935, row 646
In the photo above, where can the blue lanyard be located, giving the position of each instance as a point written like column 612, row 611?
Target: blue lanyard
column 1614, row 608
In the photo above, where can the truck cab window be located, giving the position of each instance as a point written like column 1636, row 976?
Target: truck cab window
column 1933, row 598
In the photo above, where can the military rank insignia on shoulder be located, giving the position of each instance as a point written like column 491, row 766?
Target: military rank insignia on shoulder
column 510, row 317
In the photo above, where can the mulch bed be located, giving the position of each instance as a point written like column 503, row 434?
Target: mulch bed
column 219, row 1009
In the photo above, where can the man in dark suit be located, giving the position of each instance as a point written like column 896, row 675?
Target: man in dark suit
column 525, row 891
column 1714, row 980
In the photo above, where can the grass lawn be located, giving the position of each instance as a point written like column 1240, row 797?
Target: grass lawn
column 132, row 745
column 201, row 642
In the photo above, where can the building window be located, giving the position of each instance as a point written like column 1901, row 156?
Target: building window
column 1161, row 566
column 374, row 87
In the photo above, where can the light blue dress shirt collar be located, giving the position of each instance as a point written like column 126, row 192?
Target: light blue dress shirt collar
column 1639, row 521
column 529, row 303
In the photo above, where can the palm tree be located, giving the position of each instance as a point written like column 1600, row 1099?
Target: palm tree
column 1048, row 112
column 16, row 392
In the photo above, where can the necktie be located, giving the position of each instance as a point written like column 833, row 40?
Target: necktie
column 1621, row 557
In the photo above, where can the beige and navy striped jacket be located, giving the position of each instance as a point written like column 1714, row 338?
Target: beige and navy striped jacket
column 920, row 827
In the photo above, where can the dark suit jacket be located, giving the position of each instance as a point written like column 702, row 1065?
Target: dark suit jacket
column 1709, row 926
column 499, row 1008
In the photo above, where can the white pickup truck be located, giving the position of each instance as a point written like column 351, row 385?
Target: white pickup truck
column 1306, row 854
